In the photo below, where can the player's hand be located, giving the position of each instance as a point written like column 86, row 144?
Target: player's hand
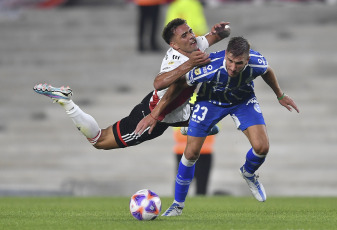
column 222, row 29
column 289, row 103
column 147, row 122
column 199, row 58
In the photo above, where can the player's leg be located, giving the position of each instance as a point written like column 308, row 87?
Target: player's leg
column 255, row 157
column 84, row 122
column 248, row 117
column 205, row 115
column 202, row 170
column 122, row 135
column 119, row 135
column 187, row 167
column 257, row 136
column 124, row 130
column 185, row 175
column 107, row 140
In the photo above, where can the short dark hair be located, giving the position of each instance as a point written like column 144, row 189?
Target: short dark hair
column 238, row 46
column 168, row 31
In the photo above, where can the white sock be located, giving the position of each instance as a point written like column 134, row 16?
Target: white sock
column 83, row 121
column 187, row 163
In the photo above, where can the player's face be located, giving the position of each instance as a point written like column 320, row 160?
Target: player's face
column 184, row 39
column 235, row 65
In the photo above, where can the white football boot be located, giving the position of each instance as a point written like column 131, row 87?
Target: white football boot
column 254, row 185
column 174, row 210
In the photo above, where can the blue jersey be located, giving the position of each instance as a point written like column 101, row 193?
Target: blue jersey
column 220, row 89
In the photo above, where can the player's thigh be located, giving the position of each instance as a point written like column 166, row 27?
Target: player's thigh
column 193, row 146
column 107, row 140
column 204, row 116
column 247, row 114
column 258, row 138
column 123, row 130
column 121, row 134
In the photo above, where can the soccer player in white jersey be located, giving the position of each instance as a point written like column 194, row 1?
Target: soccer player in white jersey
column 186, row 52
column 227, row 89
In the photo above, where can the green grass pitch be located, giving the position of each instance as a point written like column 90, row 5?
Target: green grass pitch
column 217, row 212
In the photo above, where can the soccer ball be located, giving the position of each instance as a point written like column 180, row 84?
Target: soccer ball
column 145, row 205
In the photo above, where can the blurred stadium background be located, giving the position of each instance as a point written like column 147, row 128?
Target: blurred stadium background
column 91, row 46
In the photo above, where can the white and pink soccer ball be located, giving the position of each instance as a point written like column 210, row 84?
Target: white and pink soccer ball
column 145, row 205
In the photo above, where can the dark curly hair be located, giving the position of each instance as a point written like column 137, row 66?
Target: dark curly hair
column 168, row 31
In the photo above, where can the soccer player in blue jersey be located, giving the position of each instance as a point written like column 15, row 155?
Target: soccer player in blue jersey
column 227, row 88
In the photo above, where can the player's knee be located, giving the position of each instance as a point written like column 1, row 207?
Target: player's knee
column 261, row 149
column 103, row 145
column 106, row 141
column 98, row 145
column 192, row 155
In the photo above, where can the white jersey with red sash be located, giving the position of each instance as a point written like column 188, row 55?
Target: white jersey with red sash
column 179, row 110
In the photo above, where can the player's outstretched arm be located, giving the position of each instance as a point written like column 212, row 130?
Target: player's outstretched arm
column 270, row 78
column 196, row 58
column 151, row 120
column 218, row 32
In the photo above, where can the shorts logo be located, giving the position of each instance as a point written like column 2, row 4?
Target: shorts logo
column 252, row 100
column 257, row 108
column 256, row 104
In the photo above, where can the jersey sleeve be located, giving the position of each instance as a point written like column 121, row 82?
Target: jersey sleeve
column 258, row 62
column 199, row 75
column 202, row 43
column 171, row 61
column 207, row 72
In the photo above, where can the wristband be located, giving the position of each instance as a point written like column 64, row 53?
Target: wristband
column 153, row 117
column 280, row 98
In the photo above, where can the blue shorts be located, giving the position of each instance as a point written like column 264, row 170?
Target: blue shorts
column 205, row 115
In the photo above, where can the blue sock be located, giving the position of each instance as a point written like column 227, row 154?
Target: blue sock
column 253, row 161
column 183, row 181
